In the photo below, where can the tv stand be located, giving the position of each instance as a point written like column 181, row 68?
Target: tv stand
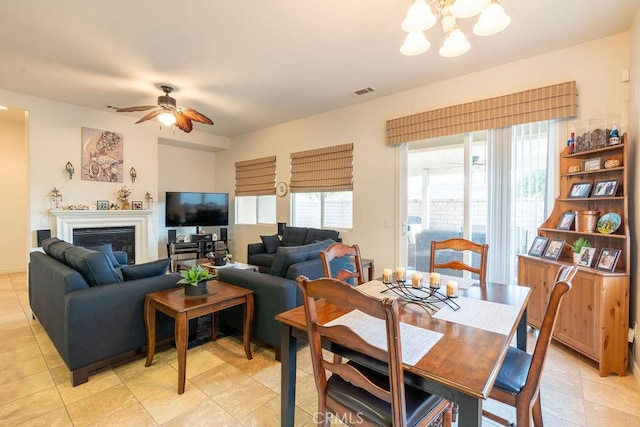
column 199, row 246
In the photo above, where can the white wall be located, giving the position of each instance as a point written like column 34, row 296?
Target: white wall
column 54, row 137
column 595, row 66
column 634, row 188
column 182, row 169
column 13, row 196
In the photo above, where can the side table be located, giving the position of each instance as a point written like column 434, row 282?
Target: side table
column 174, row 303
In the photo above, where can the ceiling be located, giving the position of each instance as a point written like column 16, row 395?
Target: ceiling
column 250, row 65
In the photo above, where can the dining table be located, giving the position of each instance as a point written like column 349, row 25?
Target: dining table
column 469, row 338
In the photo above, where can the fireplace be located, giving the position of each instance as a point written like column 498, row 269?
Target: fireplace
column 69, row 220
column 121, row 239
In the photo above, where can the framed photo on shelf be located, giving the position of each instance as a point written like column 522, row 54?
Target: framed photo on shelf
column 538, row 245
column 102, row 205
column 580, row 189
column 586, row 256
column 566, row 221
column 608, row 259
column 592, row 164
column 606, row 188
column 554, row 248
column 136, row 205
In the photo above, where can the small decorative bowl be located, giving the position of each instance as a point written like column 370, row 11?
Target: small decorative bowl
column 613, row 163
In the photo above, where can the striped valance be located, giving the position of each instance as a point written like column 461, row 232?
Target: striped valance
column 256, row 177
column 545, row 103
column 324, row 169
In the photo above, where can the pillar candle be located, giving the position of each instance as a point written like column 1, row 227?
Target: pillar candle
column 400, row 274
column 434, row 280
column 452, row 289
column 417, row 280
column 386, row 275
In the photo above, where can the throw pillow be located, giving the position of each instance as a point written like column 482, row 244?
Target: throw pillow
column 148, row 269
column 94, row 266
column 107, row 249
column 271, row 243
column 316, row 235
column 294, row 236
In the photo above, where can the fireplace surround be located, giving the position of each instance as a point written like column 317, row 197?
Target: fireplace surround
column 68, row 220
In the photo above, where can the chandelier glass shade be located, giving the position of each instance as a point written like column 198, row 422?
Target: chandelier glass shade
column 420, row 18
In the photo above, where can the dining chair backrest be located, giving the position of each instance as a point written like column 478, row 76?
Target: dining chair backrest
column 518, row 382
column 349, row 379
column 351, row 255
column 460, row 245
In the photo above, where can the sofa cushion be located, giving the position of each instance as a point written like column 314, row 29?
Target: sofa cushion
column 142, row 271
column 94, row 266
column 315, row 234
column 106, row 249
column 58, row 250
column 271, row 243
column 294, row 236
column 286, row 256
column 47, row 243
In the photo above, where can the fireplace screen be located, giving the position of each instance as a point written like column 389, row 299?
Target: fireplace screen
column 121, row 239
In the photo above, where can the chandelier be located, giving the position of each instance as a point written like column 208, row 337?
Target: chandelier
column 420, row 18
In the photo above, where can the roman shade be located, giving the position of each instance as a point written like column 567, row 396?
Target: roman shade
column 256, row 177
column 324, row 169
column 545, row 103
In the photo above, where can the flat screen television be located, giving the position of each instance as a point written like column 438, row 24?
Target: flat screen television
column 191, row 209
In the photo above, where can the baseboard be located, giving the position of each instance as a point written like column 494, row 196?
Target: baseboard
column 635, row 368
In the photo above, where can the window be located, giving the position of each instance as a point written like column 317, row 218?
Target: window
column 323, row 210
column 256, row 210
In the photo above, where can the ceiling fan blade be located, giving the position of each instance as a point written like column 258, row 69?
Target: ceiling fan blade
column 183, row 122
column 195, row 116
column 138, row 108
column 149, row 116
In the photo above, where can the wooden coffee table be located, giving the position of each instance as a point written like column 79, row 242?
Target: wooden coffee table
column 174, row 303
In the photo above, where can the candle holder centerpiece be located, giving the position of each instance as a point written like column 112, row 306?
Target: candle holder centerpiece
column 415, row 291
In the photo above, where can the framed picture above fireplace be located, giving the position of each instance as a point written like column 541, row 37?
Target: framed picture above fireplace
column 102, row 205
column 136, row 205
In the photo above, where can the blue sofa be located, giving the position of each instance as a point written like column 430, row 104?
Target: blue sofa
column 276, row 291
column 90, row 303
column 263, row 254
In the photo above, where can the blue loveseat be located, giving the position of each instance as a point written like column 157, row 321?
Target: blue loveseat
column 276, row 291
column 90, row 303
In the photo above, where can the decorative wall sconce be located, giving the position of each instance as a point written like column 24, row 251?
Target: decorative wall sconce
column 70, row 169
column 133, row 174
column 56, row 195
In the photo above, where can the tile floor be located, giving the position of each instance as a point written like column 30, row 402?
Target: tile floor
column 225, row 389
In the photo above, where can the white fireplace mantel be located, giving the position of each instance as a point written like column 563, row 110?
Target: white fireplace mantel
column 67, row 220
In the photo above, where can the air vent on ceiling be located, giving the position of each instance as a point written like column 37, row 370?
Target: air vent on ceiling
column 364, row 91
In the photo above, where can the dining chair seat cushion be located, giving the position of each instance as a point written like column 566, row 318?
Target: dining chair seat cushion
column 419, row 403
column 514, row 370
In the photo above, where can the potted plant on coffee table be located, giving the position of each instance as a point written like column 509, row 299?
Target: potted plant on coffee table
column 195, row 280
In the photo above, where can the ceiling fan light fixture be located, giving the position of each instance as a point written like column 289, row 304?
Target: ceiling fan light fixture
column 492, row 20
column 167, row 119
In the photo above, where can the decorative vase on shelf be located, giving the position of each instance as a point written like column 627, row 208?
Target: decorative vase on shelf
column 576, row 258
column 126, row 205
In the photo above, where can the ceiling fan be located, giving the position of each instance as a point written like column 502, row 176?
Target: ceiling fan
column 168, row 113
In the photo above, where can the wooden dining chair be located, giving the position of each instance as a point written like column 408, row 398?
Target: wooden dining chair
column 347, row 254
column 518, row 382
column 355, row 394
column 460, row 245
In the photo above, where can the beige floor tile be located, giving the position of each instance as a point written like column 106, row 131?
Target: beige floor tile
column 562, row 405
column 207, row 413
column 199, row 360
column 98, row 382
column 306, row 394
column 219, row 379
column 168, row 404
column 268, row 415
column 243, row 398
column 56, row 418
column 25, row 386
column 26, row 352
column 31, row 407
column 599, row 416
column 146, row 382
column 100, row 405
column 620, row 398
column 21, row 369
column 133, row 416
